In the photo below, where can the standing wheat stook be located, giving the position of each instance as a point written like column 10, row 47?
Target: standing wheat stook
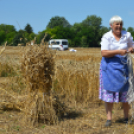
column 114, row 72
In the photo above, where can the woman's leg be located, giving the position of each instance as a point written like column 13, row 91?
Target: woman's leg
column 109, row 107
column 126, row 109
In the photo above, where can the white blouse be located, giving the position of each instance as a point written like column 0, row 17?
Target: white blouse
column 108, row 41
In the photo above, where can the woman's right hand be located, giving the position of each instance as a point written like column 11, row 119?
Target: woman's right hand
column 111, row 53
column 122, row 52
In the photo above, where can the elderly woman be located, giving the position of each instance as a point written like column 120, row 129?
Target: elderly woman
column 115, row 45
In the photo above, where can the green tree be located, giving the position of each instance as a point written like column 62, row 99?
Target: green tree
column 28, row 28
column 7, row 33
column 89, row 33
column 77, row 27
column 16, row 39
column 9, row 37
column 132, row 33
column 130, row 29
column 21, row 32
column 60, row 32
column 2, row 36
column 58, row 21
column 92, row 20
column 7, row 28
column 124, row 28
column 43, row 34
column 29, row 36
column 103, row 30
column 84, row 36
column 84, row 41
column 40, row 36
column 94, row 23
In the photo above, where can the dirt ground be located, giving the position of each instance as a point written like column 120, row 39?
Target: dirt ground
column 83, row 117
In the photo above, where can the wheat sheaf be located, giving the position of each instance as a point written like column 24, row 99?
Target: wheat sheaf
column 38, row 105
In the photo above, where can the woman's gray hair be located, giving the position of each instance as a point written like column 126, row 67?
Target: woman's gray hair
column 115, row 19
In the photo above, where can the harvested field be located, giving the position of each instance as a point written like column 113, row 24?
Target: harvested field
column 74, row 92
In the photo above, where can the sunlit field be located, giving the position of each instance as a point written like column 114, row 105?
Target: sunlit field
column 75, row 90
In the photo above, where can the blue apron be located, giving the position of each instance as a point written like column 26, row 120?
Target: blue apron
column 115, row 73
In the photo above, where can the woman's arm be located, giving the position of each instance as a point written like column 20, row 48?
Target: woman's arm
column 111, row 53
column 105, row 47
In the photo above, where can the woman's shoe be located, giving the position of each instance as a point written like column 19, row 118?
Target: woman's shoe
column 108, row 123
column 125, row 120
column 122, row 121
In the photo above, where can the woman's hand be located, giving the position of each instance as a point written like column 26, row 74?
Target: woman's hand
column 131, row 50
column 122, row 52
column 111, row 53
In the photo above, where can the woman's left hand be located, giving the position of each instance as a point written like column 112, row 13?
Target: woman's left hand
column 131, row 50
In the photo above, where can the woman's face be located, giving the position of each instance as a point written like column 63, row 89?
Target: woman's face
column 116, row 27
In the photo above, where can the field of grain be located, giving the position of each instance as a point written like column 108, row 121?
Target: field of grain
column 75, row 85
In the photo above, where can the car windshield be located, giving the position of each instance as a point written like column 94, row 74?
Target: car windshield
column 64, row 43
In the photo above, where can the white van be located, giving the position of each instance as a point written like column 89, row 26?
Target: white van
column 59, row 44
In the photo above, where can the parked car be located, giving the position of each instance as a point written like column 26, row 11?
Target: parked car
column 59, row 44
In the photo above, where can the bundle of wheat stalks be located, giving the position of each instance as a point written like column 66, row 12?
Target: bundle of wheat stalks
column 37, row 65
column 38, row 104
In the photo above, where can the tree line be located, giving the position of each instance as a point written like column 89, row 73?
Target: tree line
column 87, row 33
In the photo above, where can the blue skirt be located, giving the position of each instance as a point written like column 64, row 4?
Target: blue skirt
column 109, row 96
column 115, row 73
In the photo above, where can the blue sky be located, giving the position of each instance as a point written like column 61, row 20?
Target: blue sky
column 39, row 12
